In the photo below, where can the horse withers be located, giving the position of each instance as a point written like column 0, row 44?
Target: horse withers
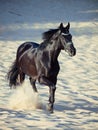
column 40, row 61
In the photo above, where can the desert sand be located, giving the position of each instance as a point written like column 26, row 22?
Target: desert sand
column 76, row 105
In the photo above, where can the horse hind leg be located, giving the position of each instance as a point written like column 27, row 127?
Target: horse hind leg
column 32, row 81
column 20, row 78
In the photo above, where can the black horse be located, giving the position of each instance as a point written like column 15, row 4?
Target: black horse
column 40, row 61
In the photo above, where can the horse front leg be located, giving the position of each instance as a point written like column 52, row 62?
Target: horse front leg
column 52, row 88
column 51, row 98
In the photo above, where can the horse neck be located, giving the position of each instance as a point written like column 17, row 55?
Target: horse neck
column 56, row 54
column 55, row 50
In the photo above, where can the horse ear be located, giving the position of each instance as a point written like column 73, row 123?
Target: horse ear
column 68, row 26
column 61, row 26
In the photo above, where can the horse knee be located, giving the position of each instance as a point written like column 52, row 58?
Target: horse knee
column 53, row 88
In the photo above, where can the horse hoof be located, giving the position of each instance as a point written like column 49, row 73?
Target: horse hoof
column 50, row 109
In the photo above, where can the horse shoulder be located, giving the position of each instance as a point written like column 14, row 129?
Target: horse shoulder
column 43, row 62
column 43, row 58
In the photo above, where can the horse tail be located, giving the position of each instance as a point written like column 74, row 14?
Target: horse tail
column 15, row 76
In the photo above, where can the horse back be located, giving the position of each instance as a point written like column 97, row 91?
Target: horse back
column 25, row 46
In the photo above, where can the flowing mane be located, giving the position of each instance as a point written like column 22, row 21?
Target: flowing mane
column 47, row 35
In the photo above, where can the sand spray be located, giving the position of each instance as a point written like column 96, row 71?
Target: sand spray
column 23, row 98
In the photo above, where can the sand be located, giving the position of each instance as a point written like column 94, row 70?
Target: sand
column 76, row 105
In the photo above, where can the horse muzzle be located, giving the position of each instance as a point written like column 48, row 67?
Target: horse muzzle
column 71, row 52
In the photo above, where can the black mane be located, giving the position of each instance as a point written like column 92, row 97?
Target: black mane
column 47, row 35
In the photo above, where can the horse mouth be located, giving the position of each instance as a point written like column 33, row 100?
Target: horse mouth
column 72, row 52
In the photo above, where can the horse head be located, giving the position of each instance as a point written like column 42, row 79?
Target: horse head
column 66, row 40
